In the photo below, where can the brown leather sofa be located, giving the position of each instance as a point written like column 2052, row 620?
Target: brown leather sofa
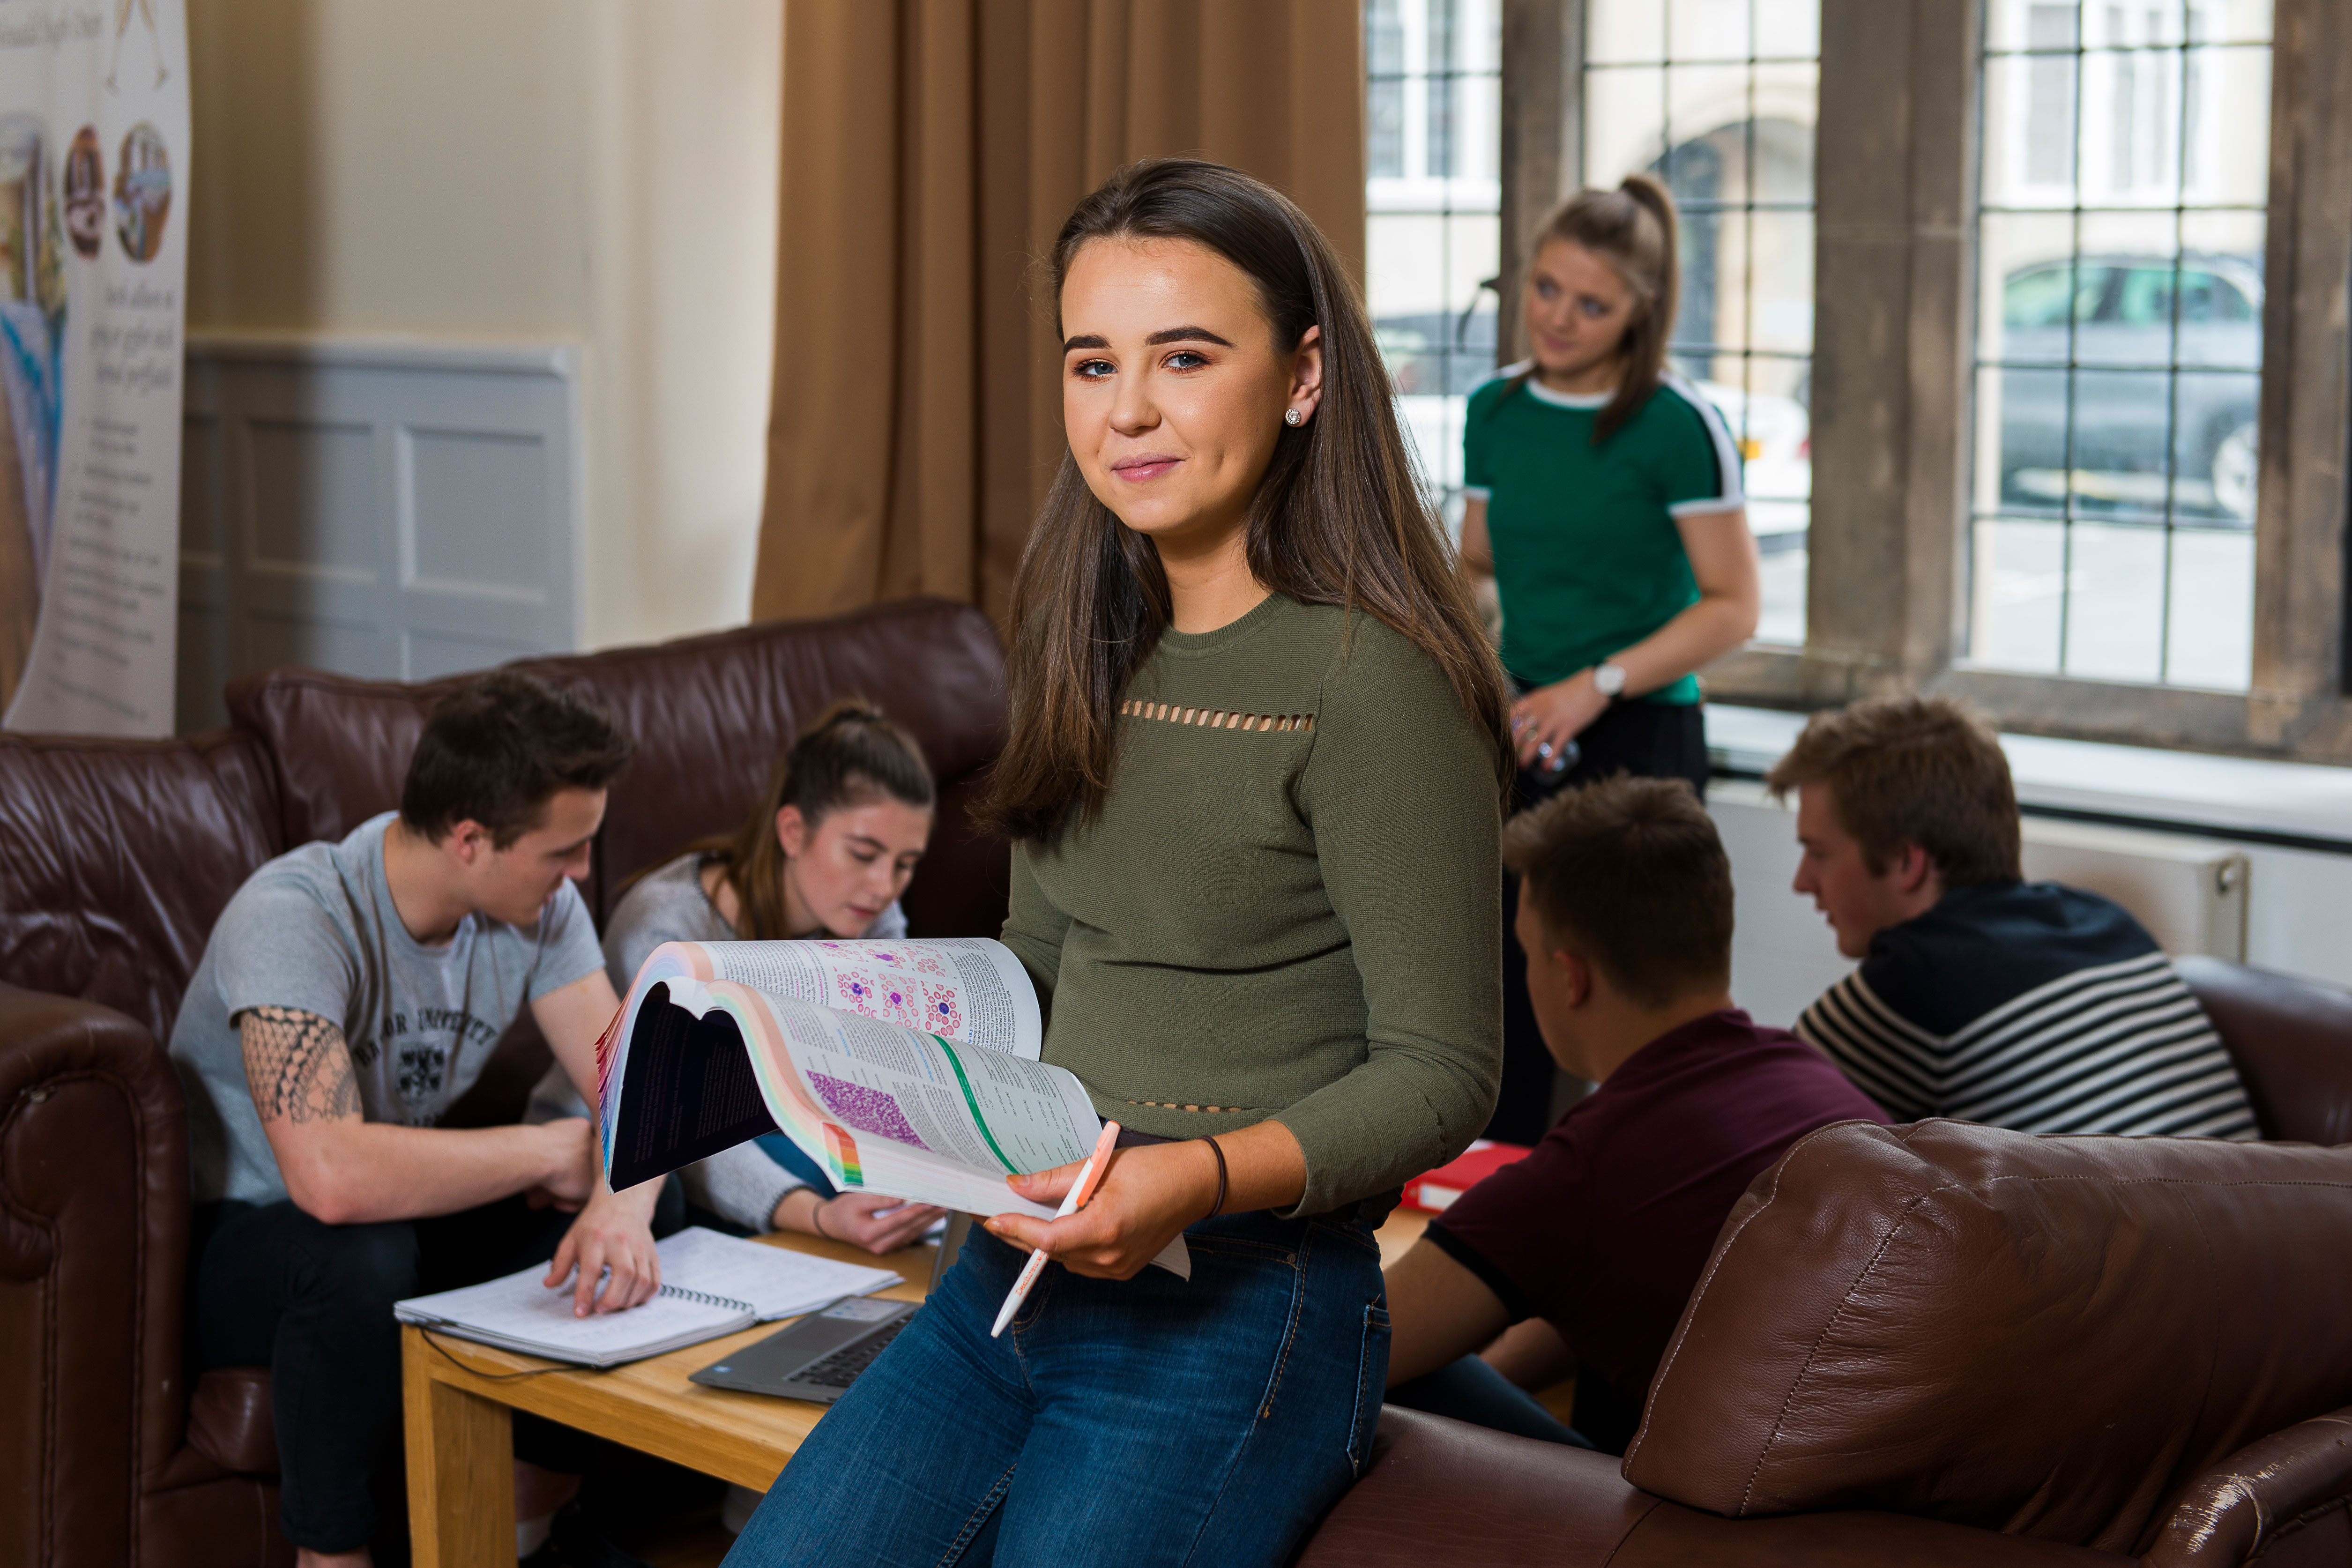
column 115, row 859
column 1944, row 1343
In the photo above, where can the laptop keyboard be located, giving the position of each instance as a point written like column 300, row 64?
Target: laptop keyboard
column 842, row 1367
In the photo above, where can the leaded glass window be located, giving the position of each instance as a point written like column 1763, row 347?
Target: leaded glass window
column 2125, row 174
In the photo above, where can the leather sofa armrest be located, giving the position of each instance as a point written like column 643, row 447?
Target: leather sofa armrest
column 40, row 1031
column 45, row 1039
column 230, row 1422
column 2291, row 1483
column 93, row 1272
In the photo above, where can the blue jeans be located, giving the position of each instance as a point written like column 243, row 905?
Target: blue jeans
column 1470, row 1390
column 1117, row 1422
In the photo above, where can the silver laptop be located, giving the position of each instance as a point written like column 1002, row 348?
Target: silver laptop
column 816, row 1358
column 821, row 1355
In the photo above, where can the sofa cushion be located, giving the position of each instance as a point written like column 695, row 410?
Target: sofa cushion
column 116, row 856
column 2291, row 1042
column 1440, row 1491
column 229, row 1420
column 2048, row 1336
column 337, row 746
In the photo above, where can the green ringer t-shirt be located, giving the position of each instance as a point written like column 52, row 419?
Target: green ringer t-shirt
column 1587, row 556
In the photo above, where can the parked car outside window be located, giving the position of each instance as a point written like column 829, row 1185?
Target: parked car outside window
column 2139, row 412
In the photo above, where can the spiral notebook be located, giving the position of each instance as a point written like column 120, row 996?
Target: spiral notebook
column 711, row 1285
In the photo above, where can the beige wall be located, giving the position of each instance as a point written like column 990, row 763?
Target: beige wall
column 597, row 172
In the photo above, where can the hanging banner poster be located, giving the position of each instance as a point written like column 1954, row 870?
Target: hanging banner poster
column 93, row 269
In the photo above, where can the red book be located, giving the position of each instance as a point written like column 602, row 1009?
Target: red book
column 1431, row 1192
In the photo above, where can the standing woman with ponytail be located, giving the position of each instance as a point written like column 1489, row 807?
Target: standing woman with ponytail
column 1604, row 500
column 1253, row 784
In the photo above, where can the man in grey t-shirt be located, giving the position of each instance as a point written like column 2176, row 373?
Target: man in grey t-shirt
column 316, row 931
column 349, row 993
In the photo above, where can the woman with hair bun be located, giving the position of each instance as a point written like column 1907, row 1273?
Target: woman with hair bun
column 1253, row 784
column 826, row 853
column 1605, row 502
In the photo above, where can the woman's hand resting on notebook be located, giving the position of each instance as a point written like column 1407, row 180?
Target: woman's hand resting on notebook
column 863, row 1218
column 1154, row 1191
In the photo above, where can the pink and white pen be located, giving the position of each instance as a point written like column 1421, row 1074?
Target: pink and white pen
column 1090, row 1176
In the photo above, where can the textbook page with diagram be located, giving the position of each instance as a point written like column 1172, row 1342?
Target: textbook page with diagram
column 906, row 1067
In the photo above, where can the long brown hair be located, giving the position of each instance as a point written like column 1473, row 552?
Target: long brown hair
column 1339, row 518
column 1634, row 229
column 853, row 754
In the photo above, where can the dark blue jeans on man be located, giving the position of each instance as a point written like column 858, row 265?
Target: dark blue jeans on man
column 1470, row 1390
column 312, row 1301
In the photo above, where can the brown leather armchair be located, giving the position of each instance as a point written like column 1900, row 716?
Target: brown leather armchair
column 116, row 857
column 1949, row 1345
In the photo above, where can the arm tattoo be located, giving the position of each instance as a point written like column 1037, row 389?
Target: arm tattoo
column 298, row 1066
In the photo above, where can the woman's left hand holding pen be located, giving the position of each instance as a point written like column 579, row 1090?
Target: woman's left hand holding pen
column 1152, row 1192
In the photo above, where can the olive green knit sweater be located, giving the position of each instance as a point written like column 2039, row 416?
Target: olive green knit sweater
column 1288, row 907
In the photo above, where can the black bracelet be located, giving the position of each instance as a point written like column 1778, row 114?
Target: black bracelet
column 1218, row 1206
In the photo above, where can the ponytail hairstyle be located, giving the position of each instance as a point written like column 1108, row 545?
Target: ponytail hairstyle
column 1340, row 516
column 852, row 756
column 1634, row 229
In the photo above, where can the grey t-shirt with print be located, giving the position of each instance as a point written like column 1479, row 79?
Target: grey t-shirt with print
column 315, row 929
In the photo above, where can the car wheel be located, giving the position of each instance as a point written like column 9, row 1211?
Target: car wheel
column 2236, row 465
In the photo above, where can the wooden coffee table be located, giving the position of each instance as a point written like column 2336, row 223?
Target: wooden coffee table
column 460, row 1399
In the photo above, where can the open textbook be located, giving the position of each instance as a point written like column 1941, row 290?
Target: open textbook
column 906, row 1067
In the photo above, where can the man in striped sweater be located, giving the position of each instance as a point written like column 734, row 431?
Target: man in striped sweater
column 1981, row 996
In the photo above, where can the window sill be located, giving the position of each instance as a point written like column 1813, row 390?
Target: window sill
column 2295, row 805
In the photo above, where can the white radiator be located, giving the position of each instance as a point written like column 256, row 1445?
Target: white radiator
column 2190, row 892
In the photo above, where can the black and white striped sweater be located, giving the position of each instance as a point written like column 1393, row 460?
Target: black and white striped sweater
column 2033, row 1007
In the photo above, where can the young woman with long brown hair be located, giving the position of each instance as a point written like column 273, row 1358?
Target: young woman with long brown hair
column 1253, row 784
column 1604, row 499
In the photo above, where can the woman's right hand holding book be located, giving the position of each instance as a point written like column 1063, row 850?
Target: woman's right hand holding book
column 1152, row 1193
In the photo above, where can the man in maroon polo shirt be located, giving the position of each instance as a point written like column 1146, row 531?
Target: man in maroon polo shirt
column 1593, row 1242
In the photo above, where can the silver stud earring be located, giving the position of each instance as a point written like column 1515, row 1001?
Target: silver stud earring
column 1291, row 416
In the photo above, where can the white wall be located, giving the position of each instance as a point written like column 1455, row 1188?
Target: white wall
column 594, row 172
column 1782, row 953
column 2299, row 912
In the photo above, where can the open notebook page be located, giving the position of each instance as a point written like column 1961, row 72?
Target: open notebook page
column 772, row 1282
column 520, row 1313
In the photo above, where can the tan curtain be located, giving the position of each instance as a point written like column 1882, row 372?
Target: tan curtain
column 931, row 148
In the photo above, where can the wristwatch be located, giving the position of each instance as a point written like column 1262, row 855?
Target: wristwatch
column 1609, row 679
